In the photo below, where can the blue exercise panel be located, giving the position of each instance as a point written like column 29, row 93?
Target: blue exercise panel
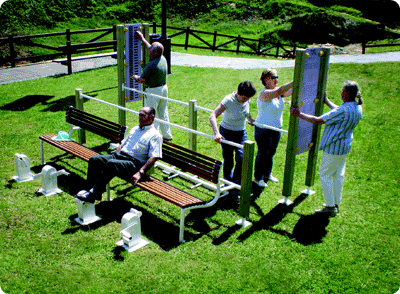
column 133, row 57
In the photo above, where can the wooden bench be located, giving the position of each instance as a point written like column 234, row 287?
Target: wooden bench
column 190, row 165
column 180, row 161
column 79, row 119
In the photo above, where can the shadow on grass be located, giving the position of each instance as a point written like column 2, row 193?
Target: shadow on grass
column 26, row 102
column 309, row 229
column 30, row 101
column 153, row 228
column 62, row 104
column 162, row 229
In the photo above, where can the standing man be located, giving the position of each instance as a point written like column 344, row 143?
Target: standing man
column 136, row 155
column 154, row 77
column 336, row 142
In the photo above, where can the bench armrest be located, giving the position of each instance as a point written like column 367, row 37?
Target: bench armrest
column 73, row 128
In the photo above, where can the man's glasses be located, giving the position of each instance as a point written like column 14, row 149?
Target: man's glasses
column 274, row 77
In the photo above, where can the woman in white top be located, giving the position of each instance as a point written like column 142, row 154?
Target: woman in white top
column 235, row 107
column 270, row 107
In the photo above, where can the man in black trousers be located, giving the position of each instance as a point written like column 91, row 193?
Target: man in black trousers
column 136, row 155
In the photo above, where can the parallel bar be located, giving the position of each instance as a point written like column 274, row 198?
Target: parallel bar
column 166, row 98
column 154, row 95
column 162, row 121
column 270, row 127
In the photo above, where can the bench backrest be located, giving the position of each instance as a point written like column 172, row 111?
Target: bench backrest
column 191, row 161
column 97, row 125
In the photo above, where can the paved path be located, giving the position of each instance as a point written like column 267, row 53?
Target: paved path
column 46, row 69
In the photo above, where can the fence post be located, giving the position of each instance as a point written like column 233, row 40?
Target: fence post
column 259, row 46
column 214, row 41
column 187, row 38
column 121, row 72
column 69, row 53
column 238, row 45
column 277, row 50
column 12, row 52
column 154, row 27
column 79, row 105
column 193, row 124
column 115, row 37
column 363, row 47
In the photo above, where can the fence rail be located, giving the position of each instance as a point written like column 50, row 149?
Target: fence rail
column 65, row 50
column 192, row 39
column 252, row 46
column 365, row 46
column 211, row 41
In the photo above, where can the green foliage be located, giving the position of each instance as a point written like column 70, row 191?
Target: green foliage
column 348, row 10
column 185, row 9
column 282, row 9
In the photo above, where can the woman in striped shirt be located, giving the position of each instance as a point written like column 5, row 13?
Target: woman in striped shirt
column 336, row 142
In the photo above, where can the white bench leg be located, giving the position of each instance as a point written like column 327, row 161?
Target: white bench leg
column 41, row 151
column 182, row 226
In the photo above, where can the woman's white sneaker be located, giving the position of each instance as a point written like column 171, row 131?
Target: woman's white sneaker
column 273, row 179
column 260, row 183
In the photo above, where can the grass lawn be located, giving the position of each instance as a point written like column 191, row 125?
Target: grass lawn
column 285, row 250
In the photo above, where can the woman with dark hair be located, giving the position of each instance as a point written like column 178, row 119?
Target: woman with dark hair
column 270, row 108
column 336, row 142
column 236, row 110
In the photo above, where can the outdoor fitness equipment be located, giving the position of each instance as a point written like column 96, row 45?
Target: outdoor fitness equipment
column 131, row 232
column 310, row 78
column 23, row 167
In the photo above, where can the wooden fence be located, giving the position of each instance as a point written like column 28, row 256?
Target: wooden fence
column 210, row 41
column 365, row 46
column 189, row 39
column 241, row 44
column 66, row 50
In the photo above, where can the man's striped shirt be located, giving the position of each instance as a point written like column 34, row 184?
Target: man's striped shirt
column 339, row 125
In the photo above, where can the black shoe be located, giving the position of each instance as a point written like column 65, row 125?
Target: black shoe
column 87, row 196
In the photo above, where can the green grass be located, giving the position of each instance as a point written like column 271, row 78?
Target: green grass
column 286, row 250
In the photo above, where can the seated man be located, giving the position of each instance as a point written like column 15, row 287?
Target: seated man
column 136, row 155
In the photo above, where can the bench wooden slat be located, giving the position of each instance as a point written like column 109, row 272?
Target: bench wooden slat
column 191, row 161
column 71, row 147
column 100, row 126
column 169, row 193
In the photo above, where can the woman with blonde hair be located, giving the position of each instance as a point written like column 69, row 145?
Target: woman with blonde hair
column 270, row 105
column 336, row 142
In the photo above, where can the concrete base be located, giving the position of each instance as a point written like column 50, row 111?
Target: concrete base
column 57, row 191
column 308, row 191
column 19, row 180
column 285, row 201
column 141, row 244
column 242, row 222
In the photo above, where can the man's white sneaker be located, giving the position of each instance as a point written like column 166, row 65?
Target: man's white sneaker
column 260, row 183
column 273, row 179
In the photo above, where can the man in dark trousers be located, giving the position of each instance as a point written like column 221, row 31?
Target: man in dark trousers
column 136, row 155
column 154, row 77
